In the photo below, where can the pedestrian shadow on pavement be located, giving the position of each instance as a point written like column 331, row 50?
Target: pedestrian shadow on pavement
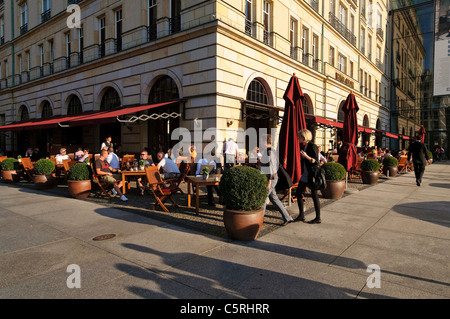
column 216, row 278
column 435, row 212
column 441, row 185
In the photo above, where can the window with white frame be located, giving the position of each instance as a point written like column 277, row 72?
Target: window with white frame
column 68, row 44
column 248, row 16
column 24, row 14
column 266, row 20
column 370, row 17
column 315, row 46
column 343, row 14
column 305, row 40
column 293, row 37
column 46, row 5
column 342, row 63
column 2, row 29
column 41, row 55
column 52, row 51
column 28, row 61
column 331, row 58
column 152, row 16
column 362, row 40
column 352, row 23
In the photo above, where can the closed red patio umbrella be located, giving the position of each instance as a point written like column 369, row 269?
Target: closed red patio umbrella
column 348, row 153
column 422, row 133
column 293, row 121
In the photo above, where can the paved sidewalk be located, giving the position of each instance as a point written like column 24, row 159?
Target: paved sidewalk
column 402, row 228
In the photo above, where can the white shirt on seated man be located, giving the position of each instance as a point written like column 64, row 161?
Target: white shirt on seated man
column 113, row 159
column 208, row 161
column 61, row 156
column 169, row 167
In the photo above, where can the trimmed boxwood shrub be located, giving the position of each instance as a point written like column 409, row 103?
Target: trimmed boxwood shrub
column 8, row 164
column 390, row 161
column 243, row 188
column 79, row 172
column 334, row 171
column 44, row 167
column 370, row 165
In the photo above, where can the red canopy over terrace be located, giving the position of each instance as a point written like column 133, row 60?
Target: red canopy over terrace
column 96, row 117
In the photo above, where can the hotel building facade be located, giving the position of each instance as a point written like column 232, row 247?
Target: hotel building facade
column 225, row 65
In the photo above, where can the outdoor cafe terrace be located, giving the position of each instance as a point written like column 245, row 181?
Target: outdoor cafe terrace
column 209, row 220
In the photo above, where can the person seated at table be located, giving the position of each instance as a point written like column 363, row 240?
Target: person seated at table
column 322, row 159
column 105, row 172
column 255, row 154
column 142, row 180
column 36, row 155
column 387, row 152
column 170, row 155
column 82, row 158
column 169, row 167
column 193, row 151
column 29, row 152
column 79, row 153
column 209, row 160
column 61, row 156
column 113, row 159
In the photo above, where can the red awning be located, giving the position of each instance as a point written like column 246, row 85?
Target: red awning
column 327, row 122
column 79, row 119
column 38, row 123
column 331, row 123
column 111, row 115
column 391, row 135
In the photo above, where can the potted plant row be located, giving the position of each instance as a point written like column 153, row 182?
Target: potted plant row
column 244, row 190
column 9, row 170
column 390, row 166
column 370, row 171
column 43, row 177
column 335, row 176
column 79, row 181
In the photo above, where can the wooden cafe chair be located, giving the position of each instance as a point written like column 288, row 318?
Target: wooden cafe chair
column 161, row 192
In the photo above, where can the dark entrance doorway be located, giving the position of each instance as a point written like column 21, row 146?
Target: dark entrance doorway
column 110, row 101
column 166, row 118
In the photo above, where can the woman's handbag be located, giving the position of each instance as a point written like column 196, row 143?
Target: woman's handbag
column 318, row 178
column 284, row 180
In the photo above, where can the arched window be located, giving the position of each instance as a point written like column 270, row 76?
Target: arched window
column 110, row 100
column 74, row 106
column 307, row 105
column 47, row 110
column 164, row 90
column 24, row 115
column 257, row 93
column 366, row 121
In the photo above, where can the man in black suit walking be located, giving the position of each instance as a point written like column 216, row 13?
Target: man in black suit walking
column 419, row 153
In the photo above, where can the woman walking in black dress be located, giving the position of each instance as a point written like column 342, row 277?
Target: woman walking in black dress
column 309, row 158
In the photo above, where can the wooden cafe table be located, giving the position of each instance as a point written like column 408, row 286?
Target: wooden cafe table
column 199, row 181
column 126, row 173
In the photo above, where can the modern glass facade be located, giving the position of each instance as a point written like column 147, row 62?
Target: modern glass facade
column 412, row 101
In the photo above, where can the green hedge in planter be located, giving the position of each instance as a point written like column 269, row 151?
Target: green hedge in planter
column 79, row 172
column 390, row 161
column 8, row 164
column 370, row 165
column 44, row 167
column 334, row 171
column 243, row 188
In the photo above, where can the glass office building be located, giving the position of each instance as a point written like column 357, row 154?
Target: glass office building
column 420, row 93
